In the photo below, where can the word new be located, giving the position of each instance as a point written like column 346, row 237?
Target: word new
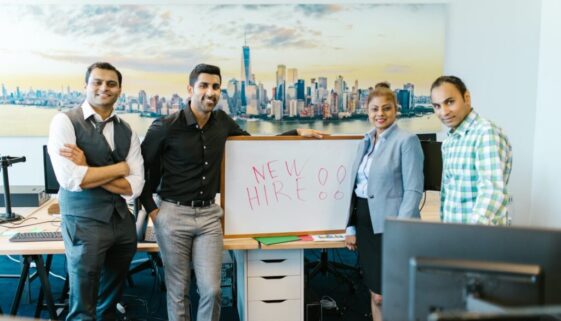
column 289, row 181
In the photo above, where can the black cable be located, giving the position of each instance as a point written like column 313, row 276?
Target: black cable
column 424, row 201
column 155, row 287
column 23, row 221
column 20, row 226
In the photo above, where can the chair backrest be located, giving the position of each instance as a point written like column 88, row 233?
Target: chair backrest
column 51, row 183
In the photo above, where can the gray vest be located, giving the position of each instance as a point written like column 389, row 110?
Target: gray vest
column 96, row 203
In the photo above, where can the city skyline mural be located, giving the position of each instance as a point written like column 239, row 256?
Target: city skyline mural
column 283, row 66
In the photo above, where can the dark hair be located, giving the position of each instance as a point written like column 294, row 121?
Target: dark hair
column 106, row 66
column 457, row 82
column 203, row 69
column 383, row 84
column 381, row 91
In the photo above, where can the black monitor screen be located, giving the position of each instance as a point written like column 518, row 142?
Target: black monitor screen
column 427, row 137
column 432, row 168
column 508, row 266
column 471, row 285
column 51, row 184
column 545, row 313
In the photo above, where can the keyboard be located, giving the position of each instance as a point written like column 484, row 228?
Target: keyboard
column 36, row 236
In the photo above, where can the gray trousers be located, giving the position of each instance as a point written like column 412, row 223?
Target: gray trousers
column 98, row 255
column 191, row 235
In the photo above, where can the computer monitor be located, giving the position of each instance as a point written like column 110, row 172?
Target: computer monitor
column 545, row 313
column 505, row 266
column 427, row 137
column 51, row 184
column 432, row 168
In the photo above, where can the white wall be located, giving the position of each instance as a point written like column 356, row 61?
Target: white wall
column 546, row 192
column 493, row 45
column 30, row 172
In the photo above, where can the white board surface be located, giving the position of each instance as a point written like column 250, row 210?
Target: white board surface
column 275, row 186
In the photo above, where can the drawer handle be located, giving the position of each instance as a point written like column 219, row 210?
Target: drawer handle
column 273, row 301
column 273, row 261
column 274, row 277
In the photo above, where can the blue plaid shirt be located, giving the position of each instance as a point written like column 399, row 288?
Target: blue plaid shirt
column 477, row 160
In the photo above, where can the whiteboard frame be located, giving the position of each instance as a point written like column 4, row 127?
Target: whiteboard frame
column 271, row 138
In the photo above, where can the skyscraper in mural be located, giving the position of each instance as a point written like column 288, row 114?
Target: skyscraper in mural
column 405, row 97
column 291, row 76
column 249, row 88
column 246, row 64
column 281, row 86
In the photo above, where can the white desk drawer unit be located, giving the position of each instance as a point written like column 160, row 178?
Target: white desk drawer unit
column 282, row 310
column 256, row 255
column 273, row 288
column 274, row 267
column 270, row 285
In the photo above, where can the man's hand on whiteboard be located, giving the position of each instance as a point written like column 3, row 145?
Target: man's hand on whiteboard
column 306, row 132
column 154, row 214
column 350, row 242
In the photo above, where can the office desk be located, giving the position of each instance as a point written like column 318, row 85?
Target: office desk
column 39, row 215
column 34, row 251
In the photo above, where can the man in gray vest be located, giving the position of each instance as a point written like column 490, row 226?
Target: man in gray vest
column 98, row 164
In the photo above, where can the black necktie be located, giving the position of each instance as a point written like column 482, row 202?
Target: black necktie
column 99, row 126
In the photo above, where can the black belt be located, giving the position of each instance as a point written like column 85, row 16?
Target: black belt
column 193, row 203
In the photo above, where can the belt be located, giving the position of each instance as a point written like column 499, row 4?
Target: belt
column 193, row 203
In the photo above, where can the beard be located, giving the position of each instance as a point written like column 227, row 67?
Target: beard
column 206, row 103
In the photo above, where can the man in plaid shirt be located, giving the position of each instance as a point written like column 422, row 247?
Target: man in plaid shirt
column 477, row 159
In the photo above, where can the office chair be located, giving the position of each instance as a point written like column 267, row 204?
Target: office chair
column 325, row 266
column 153, row 262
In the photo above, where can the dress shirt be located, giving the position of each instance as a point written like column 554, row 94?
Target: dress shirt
column 477, row 160
column 185, row 158
column 70, row 175
column 182, row 160
column 371, row 141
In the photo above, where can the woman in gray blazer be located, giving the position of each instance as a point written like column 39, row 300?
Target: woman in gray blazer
column 389, row 182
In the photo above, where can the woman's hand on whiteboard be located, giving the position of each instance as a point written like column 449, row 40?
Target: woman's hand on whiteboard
column 350, row 242
column 307, row 132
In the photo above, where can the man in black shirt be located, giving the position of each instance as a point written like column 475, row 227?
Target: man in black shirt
column 182, row 154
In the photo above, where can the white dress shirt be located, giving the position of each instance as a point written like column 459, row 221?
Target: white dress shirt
column 70, row 175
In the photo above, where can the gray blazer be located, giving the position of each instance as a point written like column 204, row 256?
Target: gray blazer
column 395, row 180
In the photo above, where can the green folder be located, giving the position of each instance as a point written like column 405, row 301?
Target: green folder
column 277, row 239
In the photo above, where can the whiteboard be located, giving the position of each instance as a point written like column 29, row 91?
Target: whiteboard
column 287, row 185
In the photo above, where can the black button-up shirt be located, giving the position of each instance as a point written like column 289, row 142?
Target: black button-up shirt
column 184, row 160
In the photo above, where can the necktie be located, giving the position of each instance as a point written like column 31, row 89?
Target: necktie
column 99, row 126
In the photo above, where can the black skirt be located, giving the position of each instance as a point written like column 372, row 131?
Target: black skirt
column 369, row 247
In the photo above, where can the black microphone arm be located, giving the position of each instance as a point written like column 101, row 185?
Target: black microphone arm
column 9, row 160
column 6, row 161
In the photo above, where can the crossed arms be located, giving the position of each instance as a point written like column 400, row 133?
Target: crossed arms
column 74, row 174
